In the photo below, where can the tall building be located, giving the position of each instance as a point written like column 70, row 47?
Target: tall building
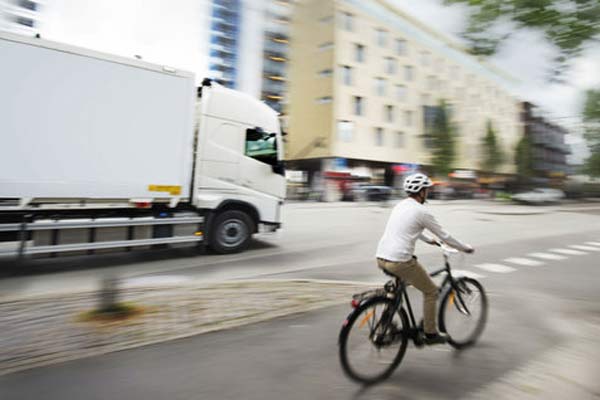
column 365, row 79
column 276, row 53
column 20, row 16
column 548, row 148
column 224, row 41
column 249, row 45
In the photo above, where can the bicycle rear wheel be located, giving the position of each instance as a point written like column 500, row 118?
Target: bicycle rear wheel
column 463, row 313
column 373, row 340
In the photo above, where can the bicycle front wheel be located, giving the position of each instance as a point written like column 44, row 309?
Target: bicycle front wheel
column 463, row 312
column 373, row 340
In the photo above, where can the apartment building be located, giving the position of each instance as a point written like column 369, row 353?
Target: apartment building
column 20, row 16
column 249, row 46
column 548, row 147
column 364, row 80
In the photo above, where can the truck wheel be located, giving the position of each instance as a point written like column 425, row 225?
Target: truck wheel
column 231, row 232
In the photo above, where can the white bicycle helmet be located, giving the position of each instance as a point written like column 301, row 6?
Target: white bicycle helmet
column 414, row 183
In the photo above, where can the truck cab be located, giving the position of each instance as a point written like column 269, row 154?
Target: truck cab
column 239, row 174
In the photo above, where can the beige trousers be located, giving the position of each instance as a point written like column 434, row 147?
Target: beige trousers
column 414, row 274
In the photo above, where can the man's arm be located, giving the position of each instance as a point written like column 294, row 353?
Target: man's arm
column 427, row 239
column 431, row 224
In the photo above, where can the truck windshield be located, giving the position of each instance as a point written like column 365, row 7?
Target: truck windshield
column 261, row 146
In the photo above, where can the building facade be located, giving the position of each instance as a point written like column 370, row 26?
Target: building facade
column 224, row 41
column 548, row 148
column 363, row 78
column 249, row 46
column 21, row 16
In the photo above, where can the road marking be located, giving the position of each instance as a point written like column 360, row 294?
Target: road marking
column 470, row 274
column 523, row 261
column 570, row 252
column 590, row 248
column 503, row 269
column 593, row 243
column 547, row 256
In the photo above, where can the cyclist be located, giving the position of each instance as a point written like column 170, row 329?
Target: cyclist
column 395, row 250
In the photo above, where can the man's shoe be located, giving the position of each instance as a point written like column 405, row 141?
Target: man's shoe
column 435, row 338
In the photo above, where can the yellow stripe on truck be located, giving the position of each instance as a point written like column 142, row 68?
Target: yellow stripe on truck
column 171, row 189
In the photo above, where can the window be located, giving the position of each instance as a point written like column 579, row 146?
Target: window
column 325, row 73
column 454, row 73
column 390, row 65
column 348, row 21
column 324, row 100
column 378, row 136
column 401, row 93
column 28, row 4
column 347, row 75
column 381, row 36
column 399, row 139
column 345, row 131
column 359, row 53
column 409, row 73
column 389, row 113
column 380, row 86
column 425, row 58
column 431, row 82
column 326, row 20
column 408, row 118
column 359, row 105
column 24, row 21
column 326, row 46
column 261, row 145
column 401, row 49
column 439, row 65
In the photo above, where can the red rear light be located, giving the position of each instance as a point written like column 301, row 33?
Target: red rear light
column 355, row 303
column 143, row 204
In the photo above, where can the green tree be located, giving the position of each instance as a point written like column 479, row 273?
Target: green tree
column 567, row 24
column 591, row 120
column 524, row 158
column 443, row 141
column 493, row 156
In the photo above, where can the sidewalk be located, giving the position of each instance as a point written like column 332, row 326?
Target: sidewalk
column 42, row 330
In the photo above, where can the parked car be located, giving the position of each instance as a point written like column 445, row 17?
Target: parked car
column 540, row 196
column 368, row 192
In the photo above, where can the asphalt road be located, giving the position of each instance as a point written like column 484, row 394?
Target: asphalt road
column 543, row 293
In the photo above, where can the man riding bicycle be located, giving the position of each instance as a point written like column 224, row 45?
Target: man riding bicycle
column 396, row 247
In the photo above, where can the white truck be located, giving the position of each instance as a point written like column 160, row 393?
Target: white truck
column 100, row 152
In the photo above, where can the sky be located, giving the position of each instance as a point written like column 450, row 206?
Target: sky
column 175, row 33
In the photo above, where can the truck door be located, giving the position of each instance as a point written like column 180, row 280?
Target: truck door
column 221, row 154
column 261, row 168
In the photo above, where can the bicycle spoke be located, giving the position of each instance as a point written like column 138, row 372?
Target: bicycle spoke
column 369, row 354
column 465, row 312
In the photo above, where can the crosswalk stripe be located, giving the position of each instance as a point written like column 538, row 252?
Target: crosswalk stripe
column 593, row 243
column 570, row 252
column 523, row 261
column 470, row 274
column 503, row 269
column 589, row 248
column 547, row 256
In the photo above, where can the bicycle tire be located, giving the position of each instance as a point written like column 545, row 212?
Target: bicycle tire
column 479, row 326
column 346, row 331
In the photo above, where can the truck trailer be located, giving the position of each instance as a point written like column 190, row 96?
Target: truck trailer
column 100, row 152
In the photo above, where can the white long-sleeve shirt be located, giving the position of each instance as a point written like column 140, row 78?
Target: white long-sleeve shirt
column 406, row 224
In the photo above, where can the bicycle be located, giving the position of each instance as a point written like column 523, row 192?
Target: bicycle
column 380, row 316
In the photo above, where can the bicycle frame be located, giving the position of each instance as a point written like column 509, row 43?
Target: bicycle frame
column 401, row 295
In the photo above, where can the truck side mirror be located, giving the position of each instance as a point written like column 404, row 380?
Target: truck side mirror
column 279, row 168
